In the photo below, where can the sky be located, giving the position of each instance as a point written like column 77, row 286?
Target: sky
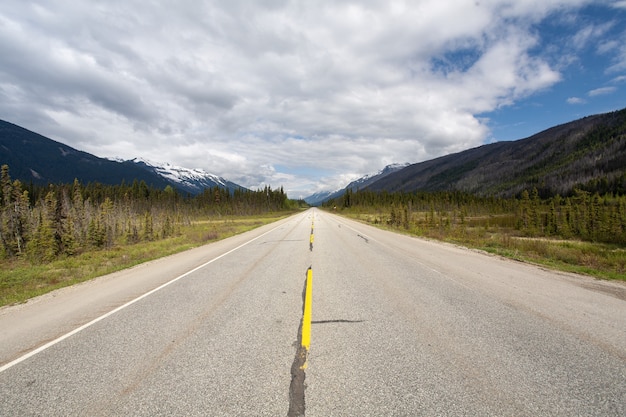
column 307, row 95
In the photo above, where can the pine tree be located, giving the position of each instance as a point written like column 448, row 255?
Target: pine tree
column 45, row 243
column 78, row 215
column 68, row 239
column 107, row 221
column 14, row 208
column 148, row 232
column 95, row 233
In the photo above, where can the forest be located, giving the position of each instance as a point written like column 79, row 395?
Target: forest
column 580, row 216
column 44, row 223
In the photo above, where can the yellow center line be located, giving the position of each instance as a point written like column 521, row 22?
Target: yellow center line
column 308, row 307
column 311, row 237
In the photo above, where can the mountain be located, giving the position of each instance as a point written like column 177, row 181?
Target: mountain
column 358, row 184
column 322, row 196
column 193, row 181
column 589, row 152
column 33, row 157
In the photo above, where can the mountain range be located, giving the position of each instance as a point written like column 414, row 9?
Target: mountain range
column 358, row 184
column 578, row 154
column 191, row 180
column 588, row 153
column 32, row 157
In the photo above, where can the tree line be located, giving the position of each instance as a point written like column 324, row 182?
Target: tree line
column 43, row 223
column 582, row 215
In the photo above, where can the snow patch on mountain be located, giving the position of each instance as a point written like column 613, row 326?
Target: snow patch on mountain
column 192, row 180
column 368, row 179
column 358, row 184
column 180, row 174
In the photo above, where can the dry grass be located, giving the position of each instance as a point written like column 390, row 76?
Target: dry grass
column 21, row 279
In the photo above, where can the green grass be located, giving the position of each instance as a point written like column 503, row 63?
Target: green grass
column 21, row 279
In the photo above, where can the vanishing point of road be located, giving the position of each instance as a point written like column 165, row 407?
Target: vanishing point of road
column 318, row 315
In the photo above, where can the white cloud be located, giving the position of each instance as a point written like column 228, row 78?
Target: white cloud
column 590, row 34
column 576, row 100
column 601, row 91
column 265, row 92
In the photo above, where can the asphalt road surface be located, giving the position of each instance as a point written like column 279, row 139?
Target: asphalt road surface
column 398, row 326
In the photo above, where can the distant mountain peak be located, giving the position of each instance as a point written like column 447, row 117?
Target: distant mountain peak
column 358, row 184
column 192, row 180
column 367, row 179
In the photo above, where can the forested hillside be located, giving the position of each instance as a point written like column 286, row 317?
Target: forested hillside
column 43, row 223
column 587, row 154
column 38, row 159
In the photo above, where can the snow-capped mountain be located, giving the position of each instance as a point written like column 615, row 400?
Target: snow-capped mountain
column 358, row 184
column 318, row 198
column 363, row 182
column 193, row 181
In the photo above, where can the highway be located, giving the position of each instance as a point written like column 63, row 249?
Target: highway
column 318, row 315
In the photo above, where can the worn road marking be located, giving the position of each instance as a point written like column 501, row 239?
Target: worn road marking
column 308, row 313
column 299, row 365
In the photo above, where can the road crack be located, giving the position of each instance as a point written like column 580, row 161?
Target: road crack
column 298, row 367
column 297, row 386
column 336, row 321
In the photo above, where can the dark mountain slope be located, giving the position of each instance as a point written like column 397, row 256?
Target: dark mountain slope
column 555, row 161
column 36, row 158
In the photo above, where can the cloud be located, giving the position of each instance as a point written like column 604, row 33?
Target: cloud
column 576, row 100
column 601, row 91
column 591, row 34
column 273, row 91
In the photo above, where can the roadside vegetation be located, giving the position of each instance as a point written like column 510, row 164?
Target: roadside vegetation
column 582, row 232
column 59, row 235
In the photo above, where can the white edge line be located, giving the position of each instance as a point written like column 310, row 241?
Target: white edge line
column 110, row 313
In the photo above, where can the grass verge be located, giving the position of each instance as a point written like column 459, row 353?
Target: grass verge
column 21, row 279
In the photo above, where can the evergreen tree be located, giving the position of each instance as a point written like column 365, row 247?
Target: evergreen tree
column 14, row 208
column 148, row 231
